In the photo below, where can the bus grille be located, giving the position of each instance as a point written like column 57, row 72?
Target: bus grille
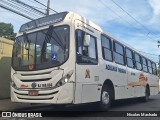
column 36, row 80
column 36, row 98
column 40, row 96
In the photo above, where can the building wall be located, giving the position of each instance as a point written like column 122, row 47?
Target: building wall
column 159, row 85
column 5, row 67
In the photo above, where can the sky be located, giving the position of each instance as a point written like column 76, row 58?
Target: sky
column 142, row 32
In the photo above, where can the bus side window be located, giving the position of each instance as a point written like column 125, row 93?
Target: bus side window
column 154, row 69
column 144, row 64
column 106, row 48
column 149, row 66
column 119, row 53
column 138, row 62
column 86, row 54
column 129, row 58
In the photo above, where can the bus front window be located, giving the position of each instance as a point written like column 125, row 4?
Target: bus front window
column 45, row 49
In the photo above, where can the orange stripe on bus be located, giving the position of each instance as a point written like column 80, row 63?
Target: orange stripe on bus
column 142, row 85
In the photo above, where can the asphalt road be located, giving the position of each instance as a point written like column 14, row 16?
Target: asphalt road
column 90, row 112
column 120, row 105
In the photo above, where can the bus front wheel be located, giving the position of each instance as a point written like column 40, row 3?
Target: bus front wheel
column 105, row 102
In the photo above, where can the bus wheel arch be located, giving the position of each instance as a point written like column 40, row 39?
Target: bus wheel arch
column 109, row 83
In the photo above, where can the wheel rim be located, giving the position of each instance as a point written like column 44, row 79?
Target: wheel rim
column 105, row 97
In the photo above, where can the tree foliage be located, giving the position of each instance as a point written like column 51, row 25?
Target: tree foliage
column 7, row 30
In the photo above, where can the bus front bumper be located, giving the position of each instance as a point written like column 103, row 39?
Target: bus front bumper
column 60, row 95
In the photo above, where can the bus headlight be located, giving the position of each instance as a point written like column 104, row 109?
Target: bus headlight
column 64, row 80
column 13, row 84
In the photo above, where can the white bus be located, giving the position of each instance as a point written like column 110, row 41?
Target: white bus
column 66, row 59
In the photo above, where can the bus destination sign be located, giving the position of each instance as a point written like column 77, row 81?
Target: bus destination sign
column 43, row 21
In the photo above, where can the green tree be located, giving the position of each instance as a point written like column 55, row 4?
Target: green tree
column 6, row 30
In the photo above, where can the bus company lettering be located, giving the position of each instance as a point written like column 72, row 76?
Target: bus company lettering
column 113, row 68
column 29, row 28
column 121, row 70
column 49, row 22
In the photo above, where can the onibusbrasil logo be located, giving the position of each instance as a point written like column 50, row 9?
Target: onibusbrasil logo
column 17, row 114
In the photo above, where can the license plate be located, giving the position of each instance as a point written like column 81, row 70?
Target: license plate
column 33, row 93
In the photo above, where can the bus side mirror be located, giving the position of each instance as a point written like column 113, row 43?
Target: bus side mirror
column 27, row 46
column 87, row 39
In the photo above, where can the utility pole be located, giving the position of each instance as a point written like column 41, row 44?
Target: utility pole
column 158, row 43
column 159, row 55
column 159, row 62
column 48, row 7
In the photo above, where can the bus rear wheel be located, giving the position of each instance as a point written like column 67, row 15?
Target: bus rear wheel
column 146, row 97
column 105, row 102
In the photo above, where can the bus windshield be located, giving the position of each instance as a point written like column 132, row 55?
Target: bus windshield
column 42, row 49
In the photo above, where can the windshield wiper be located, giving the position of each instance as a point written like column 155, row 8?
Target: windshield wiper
column 46, row 40
column 50, row 36
column 15, row 51
column 27, row 43
column 61, row 43
column 57, row 38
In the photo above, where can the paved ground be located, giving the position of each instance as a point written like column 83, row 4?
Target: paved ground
column 120, row 105
column 88, row 110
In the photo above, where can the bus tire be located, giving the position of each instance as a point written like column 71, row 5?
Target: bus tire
column 147, row 93
column 105, row 101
